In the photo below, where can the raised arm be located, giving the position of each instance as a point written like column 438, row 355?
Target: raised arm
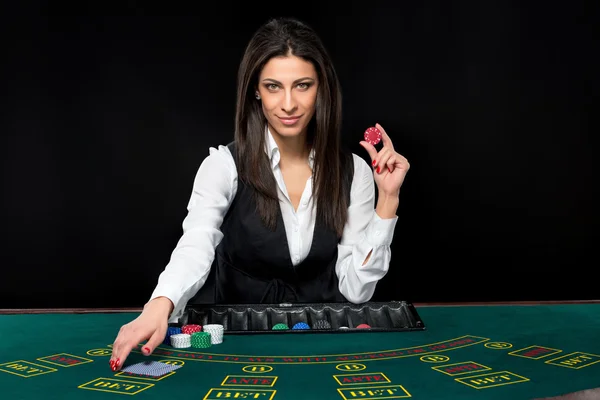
column 364, row 251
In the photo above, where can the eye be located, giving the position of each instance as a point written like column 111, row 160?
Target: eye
column 304, row 85
column 271, row 86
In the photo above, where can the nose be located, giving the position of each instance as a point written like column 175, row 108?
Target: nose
column 289, row 104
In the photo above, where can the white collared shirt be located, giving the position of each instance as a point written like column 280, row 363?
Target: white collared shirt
column 215, row 187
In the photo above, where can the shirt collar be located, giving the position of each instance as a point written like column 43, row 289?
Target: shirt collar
column 272, row 151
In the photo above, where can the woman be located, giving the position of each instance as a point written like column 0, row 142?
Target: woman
column 281, row 214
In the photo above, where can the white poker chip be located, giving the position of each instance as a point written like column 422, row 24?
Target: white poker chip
column 181, row 340
column 216, row 332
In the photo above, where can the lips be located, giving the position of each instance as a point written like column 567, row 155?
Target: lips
column 289, row 120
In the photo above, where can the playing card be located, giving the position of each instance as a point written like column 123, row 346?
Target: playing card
column 151, row 368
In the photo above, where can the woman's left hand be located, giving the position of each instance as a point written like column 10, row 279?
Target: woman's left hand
column 390, row 167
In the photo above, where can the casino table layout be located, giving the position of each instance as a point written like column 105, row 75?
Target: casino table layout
column 466, row 351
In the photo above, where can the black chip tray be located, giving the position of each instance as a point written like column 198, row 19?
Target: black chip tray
column 391, row 316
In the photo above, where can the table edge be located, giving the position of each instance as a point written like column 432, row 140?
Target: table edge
column 419, row 304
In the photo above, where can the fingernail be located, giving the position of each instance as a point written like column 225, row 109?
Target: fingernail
column 389, row 169
column 374, row 162
column 378, row 169
column 117, row 362
column 146, row 350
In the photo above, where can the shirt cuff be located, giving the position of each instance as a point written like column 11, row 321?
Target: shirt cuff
column 380, row 232
column 175, row 297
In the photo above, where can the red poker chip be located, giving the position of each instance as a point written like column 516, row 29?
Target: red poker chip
column 191, row 328
column 363, row 326
column 372, row 135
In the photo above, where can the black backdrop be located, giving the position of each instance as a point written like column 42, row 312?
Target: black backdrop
column 107, row 118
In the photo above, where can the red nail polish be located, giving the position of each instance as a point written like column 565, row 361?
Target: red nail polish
column 117, row 362
column 146, row 350
column 374, row 162
column 389, row 169
column 378, row 169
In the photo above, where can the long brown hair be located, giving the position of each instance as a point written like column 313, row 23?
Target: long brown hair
column 280, row 37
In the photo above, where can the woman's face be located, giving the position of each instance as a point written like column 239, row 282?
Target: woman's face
column 288, row 91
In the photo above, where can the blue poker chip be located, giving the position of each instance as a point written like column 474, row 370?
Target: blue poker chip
column 301, row 325
column 172, row 330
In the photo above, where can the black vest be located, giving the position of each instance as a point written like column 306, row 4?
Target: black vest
column 252, row 264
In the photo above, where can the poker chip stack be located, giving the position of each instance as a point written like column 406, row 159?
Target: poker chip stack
column 280, row 327
column 301, row 325
column 181, row 340
column 172, row 330
column 191, row 328
column 200, row 340
column 321, row 324
column 216, row 333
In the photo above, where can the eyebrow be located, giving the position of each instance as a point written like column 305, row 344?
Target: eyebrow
column 296, row 81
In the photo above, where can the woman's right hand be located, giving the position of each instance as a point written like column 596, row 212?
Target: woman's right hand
column 150, row 325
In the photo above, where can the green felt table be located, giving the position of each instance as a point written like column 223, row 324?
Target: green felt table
column 516, row 351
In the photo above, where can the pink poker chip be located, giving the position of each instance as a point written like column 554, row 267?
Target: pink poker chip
column 373, row 135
